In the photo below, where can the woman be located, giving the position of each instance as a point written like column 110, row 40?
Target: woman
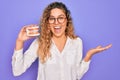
column 59, row 50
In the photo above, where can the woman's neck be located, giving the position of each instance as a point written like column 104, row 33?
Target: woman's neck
column 59, row 39
column 60, row 42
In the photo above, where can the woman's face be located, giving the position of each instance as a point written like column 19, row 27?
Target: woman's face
column 57, row 22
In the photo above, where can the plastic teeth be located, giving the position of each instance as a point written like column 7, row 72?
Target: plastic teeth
column 35, row 27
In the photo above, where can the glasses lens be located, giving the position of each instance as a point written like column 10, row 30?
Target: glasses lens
column 61, row 19
column 51, row 20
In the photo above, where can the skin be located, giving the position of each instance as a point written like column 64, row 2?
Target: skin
column 59, row 37
column 22, row 37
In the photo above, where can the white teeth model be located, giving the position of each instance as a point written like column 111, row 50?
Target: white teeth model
column 57, row 27
column 27, row 30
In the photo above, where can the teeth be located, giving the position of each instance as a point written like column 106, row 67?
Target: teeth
column 57, row 27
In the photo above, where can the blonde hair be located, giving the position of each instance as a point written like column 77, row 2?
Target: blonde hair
column 46, row 34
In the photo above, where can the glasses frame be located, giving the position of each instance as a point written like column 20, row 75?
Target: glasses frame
column 56, row 19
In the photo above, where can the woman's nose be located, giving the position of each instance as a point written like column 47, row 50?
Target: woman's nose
column 56, row 21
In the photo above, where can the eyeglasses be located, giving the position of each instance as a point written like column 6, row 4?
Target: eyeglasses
column 60, row 20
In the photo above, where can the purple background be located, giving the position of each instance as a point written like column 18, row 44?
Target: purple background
column 97, row 22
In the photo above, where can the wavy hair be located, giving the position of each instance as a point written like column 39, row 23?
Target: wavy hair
column 45, row 33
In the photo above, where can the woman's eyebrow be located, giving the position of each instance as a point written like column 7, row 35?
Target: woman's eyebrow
column 58, row 15
column 61, row 15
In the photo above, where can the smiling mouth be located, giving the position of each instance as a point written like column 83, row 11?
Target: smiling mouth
column 57, row 27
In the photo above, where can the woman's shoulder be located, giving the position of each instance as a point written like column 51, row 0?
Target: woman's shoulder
column 77, row 39
column 35, row 41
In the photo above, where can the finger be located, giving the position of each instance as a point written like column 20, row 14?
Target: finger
column 98, row 47
column 23, row 29
column 32, row 25
column 33, row 28
column 110, row 45
column 107, row 47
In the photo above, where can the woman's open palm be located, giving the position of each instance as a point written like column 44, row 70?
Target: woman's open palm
column 98, row 49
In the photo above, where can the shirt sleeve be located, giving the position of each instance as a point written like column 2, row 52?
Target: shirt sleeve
column 82, row 66
column 21, row 61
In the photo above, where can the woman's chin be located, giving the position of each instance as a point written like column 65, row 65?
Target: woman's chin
column 57, row 35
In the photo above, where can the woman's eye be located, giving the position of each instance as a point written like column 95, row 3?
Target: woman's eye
column 61, row 18
column 51, row 18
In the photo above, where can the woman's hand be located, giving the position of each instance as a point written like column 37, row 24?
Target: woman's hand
column 22, row 36
column 96, row 50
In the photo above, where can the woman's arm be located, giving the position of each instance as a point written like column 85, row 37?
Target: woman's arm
column 20, row 60
column 22, row 37
column 82, row 66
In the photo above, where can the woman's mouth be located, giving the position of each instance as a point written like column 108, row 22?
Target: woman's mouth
column 57, row 29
